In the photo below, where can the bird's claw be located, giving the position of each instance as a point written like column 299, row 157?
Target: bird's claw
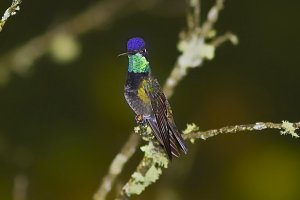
column 141, row 119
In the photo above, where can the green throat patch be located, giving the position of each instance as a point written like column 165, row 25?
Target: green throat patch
column 138, row 63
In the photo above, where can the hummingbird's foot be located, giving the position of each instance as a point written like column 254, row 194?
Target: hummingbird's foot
column 139, row 119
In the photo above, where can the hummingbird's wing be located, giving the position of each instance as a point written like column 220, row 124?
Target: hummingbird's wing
column 162, row 122
column 174, row 130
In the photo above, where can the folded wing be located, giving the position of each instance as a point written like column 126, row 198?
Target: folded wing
column 162, row 122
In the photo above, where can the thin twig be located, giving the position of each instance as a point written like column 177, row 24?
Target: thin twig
column 223, row 38
column 12, row 10
column 288, row 128
column 197, row 9
column 189, row 16
column 193, row 44
column 212, row 17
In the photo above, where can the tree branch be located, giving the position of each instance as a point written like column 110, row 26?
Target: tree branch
column 286, row 127
column 117, row 165
column 212, row 17
column 12, row 10
column 149, row 169
column 193, row 46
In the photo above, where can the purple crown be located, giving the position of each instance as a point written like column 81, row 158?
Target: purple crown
column 135, row 44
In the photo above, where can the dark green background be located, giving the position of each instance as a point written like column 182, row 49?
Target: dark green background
column 62, row 124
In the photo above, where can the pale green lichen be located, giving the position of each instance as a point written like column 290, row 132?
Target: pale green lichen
column 191, row 128
column 137, row 129
column 145, row 131
column 259, row 126
column 194, row 51
column 149, row 130
column 139, row 181
column 158, row 157
column 134, row 187
column 211, row 34
column 137, row 176
column 288, row 128
column 12, row 10
column 153, row 174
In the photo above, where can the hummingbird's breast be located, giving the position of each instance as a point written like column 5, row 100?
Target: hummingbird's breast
column 135, row 94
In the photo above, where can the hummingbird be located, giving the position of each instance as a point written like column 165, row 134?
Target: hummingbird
column 146, row 98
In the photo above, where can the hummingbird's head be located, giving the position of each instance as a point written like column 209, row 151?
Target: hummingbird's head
column 137, row 56
column 136, row 45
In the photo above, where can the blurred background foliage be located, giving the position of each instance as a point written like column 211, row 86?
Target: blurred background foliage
column 61, row 123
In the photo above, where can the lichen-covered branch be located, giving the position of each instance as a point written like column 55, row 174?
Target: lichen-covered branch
column 150, row 168
column 193, row 43
column 12, row 10
column 287, row 128
column 147, row 172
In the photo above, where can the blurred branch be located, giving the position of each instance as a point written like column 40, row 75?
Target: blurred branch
column 12, row 10
column 212, row 17
column 21, row 59
column 193, row 45
column 223, row 38
column 117, row 165
column 20, row 187
column 193, row 15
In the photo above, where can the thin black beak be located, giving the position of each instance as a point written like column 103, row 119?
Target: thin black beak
column 123, row 54
column 132, row 52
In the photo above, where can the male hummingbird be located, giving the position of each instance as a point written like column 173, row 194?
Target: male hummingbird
column 146, row 98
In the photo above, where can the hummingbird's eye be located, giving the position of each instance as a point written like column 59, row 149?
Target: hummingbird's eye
column 143, row 51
